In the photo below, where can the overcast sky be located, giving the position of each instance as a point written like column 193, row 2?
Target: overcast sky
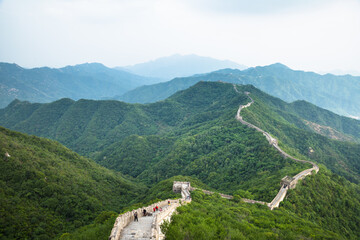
column 316, row 35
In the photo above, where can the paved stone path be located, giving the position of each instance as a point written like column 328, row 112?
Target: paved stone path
column 140, row 230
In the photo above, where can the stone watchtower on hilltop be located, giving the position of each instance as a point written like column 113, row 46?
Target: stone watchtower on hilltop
column 288, row 182
column 178, row 186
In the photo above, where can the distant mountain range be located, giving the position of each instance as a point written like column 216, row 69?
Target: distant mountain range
column 96, row 81
column 89, row 80
column 340, row 94
column 180, row 66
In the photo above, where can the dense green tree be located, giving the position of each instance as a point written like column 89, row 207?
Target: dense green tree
column 46, row 189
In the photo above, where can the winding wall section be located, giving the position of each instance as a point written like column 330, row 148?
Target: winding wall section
column 272, row 141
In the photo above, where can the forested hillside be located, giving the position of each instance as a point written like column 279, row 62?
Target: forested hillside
column 101, row 129
column 335, row 93
column 328, row 200
column 212, row 217
column 193, row 133
column 285, row 123
column 46, row 189
column 90, row 81
column 323, row 206
column 196, row 135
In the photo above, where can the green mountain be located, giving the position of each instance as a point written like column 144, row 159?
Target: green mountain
column 322, row 206
column 46, row 189
column 160, row 91
column 288, row 124
column 338, row 94
column 88, row 126
column 160, row 136
column 157, row 141
column 194, row 133
column 94, row 81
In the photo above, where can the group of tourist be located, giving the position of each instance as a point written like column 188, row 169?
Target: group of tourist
column 156, row 208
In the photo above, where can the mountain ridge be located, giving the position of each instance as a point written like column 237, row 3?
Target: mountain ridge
column 276, row 79
column 180, row 66
column 44, row 84
column 195, row 133
column 77, row 123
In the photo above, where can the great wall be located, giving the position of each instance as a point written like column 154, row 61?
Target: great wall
column 287, row 182
column 148, row 227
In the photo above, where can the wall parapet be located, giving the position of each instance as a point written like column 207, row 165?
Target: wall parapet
column 161, row 217
column 124, row 219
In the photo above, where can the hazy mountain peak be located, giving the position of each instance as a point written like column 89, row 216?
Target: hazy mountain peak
column 86, row 66
column 9, row 65
column 278, row 65
column 44, row 84
column 180, row 66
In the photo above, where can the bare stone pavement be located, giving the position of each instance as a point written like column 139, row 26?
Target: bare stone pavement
column 140, row 230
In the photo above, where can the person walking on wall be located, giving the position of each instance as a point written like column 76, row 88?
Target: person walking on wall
column 144, row 212
column 136, row 217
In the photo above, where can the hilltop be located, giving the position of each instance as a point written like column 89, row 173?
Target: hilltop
column 335, row 93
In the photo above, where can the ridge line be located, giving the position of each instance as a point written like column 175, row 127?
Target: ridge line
column 286, row 182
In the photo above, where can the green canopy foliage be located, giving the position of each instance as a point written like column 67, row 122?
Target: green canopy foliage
column 46, row 189
column 212, row 217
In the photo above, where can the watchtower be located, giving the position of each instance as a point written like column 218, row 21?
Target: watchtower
column 178, row 186
column 288, row 181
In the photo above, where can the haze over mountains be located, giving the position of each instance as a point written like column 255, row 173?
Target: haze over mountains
column 96, row 81
column 88, row 80
column 340, row 94
column 178, row 65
